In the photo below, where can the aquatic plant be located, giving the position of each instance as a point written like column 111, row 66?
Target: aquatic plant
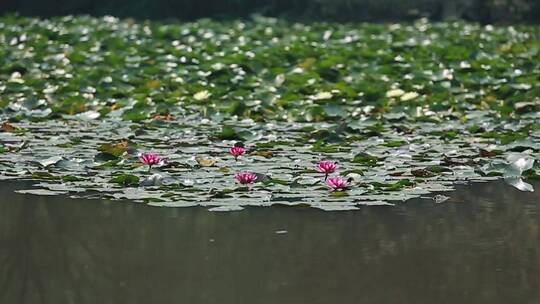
column 150, row 159
column 370, row 96
column 326, row 167
column 245, row 177
column 237, row 151
column 336, row 183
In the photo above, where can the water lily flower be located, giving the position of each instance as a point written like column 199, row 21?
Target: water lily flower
column 245, row 177
column 326, row 167
column 150, row 159
column 237, row 151
column 336, row 183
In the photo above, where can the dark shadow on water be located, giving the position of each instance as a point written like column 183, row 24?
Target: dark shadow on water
column 483, row 246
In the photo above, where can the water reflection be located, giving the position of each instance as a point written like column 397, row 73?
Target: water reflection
column 482, row 246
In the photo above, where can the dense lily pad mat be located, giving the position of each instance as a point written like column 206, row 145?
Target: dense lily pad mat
column 406, row 110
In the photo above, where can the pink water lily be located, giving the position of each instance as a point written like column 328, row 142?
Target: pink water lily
column 245, row 177
column 237, row 151
column 326, row 167
column 150, row 159
column 336, row 183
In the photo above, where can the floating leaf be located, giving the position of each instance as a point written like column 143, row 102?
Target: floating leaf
column 517, row 165
column 40, row 192
column 152, row 180
column 422, row 173
column 126, row 180
column 265, row 154
column 439, row 198
column 365, row 159
column 205, row 162
column 116, row 149
column 519, row 184
column 50, row 161
column 7, row 127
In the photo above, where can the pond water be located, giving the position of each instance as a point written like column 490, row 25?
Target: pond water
column 480, row 246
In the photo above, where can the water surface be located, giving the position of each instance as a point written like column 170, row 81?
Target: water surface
column 481, row 246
